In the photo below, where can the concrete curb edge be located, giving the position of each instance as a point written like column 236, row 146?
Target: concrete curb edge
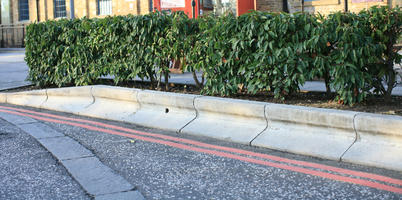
column 276, row 126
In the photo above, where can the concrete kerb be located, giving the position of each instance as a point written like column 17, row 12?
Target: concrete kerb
column 164, row 110
column 3, row 98
column 309, row 131
column 34, row 98
column 379, row 141
column 361, row 138
column 228, row 119
column 69, row 99
column 113, row 103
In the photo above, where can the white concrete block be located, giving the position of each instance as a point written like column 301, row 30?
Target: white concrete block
column 69, row 99
column 228, row 119
column 379, row 141
column 112, row 103
column 34, row 98
column 309, row 131
column 164, row 110
column 3, row 97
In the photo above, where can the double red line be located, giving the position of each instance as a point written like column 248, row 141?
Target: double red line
column 350, row 176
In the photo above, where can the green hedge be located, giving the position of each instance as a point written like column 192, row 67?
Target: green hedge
column 255, row 52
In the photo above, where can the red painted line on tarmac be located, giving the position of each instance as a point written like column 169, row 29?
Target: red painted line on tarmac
column 233, row 150
column 223, row 154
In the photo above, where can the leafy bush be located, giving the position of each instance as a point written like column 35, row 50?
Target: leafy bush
column 355, row 52
column 221, row 72
column 256, row 52
column 80, row 51
column 283, row 53
column 385, row 29
column 349, row 51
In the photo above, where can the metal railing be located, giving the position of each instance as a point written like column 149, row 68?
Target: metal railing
column 12, row 36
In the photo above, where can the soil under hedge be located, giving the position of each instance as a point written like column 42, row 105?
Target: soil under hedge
column 373, row 104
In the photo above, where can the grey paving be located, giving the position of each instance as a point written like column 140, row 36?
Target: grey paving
column 29, row 171
column 91, row 174
column 12, row 56
column 12, row 49
column 131, row 195
column 65, row 148
column 13, row 69
column 96, row 178
column 40, row 131
column 15, row 119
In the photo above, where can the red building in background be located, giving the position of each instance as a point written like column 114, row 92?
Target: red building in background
column 244, row 6
column 204, row 6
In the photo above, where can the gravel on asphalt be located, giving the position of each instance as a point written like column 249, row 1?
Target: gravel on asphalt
column 29, row 171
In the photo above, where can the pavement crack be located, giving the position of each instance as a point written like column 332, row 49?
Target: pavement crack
column 23, row 123
column 58, row 136
column 92, row 96
column 355, row 140
column 47, row 98
column 2, row 133
column 76, row 158
column 137, row 94
column 196, row 115
column 123, row 191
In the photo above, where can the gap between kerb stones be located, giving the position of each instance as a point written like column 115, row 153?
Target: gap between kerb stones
column 196, row 114
column 137, row 94
column 47, row 97
column 266, row 127
column 356, row 137
column 93, row 97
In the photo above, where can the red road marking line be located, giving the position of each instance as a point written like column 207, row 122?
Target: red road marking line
column 233, row 150
column 223, row 154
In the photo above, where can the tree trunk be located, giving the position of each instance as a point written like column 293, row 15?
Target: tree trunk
column 391, row 73
column 327, row 83
column 158, row 87
column 152, row 78
column 391, row 82
column 166, row 80
column 197, row 82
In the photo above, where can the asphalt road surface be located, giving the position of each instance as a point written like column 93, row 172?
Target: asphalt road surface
column 167, row 165
column 28, row 171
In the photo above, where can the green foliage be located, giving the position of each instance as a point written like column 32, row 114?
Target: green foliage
column 256, row 52
column 283, row 53
column 350, row 51
column 355, row 52
column 78, row 52
column 221, row 71
column 385, row 27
